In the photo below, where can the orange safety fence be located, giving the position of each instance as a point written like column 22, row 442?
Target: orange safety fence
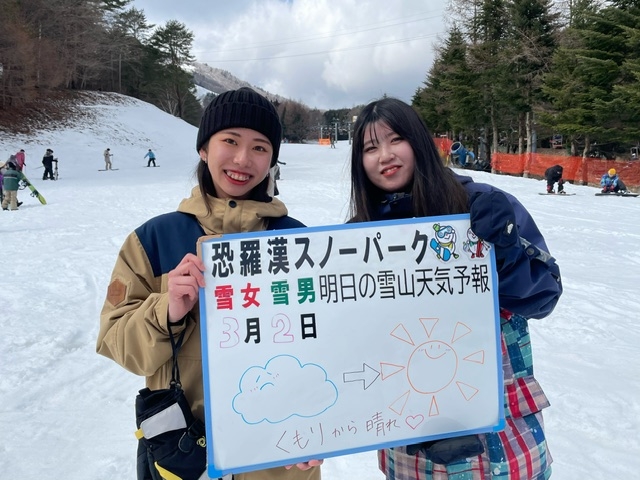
column 324, row 141
column 579, row 170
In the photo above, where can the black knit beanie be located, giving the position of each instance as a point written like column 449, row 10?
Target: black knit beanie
column 242, row 108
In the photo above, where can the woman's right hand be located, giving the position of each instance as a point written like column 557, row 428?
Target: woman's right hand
column 184, row 282
column 306, row 465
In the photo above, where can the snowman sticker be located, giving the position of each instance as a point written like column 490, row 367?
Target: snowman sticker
column 474, row 246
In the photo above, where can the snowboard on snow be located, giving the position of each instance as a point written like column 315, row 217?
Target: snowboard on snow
column 34, row 191
column 626, row 193
column 557, row 194
column 104, row 170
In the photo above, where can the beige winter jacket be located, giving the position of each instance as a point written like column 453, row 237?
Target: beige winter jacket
column 133, row 321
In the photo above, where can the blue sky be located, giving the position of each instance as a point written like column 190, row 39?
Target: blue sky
column 324, row 53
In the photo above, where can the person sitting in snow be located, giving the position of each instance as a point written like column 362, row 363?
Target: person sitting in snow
column 552, row 175
column 611, row 183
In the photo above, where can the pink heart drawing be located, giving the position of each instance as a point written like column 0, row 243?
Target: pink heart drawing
column 414, row 421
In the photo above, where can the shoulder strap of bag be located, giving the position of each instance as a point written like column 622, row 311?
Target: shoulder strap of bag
column 175, row 347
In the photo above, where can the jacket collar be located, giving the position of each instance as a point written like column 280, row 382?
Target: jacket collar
column 395, row 205
column 231, row 216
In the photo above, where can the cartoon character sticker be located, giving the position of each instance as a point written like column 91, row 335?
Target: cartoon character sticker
column 474, row 246
column 444, row 242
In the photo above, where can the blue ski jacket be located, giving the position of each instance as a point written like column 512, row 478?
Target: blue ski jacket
column 529, row 287
column 608, row 181
column 529, row 281
column 529, row 278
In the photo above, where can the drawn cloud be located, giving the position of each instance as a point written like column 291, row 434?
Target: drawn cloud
column 283, row 388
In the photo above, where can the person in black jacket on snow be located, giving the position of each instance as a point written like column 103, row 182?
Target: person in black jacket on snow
column 552, row 175
column 47, row 161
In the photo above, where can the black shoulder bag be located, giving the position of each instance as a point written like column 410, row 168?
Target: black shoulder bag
column 171, row 441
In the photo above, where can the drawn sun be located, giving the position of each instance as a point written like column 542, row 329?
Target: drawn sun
column 437, row 358
column 432, row 367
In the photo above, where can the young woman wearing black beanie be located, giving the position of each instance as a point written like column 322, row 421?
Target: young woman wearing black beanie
column 155, row 282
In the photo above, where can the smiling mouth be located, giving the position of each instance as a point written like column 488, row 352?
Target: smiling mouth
column 238, row 177
column 390, row 170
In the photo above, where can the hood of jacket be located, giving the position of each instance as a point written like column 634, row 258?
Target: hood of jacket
column 231, row 216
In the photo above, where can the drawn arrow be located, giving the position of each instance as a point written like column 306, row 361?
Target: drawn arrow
column 367, row 376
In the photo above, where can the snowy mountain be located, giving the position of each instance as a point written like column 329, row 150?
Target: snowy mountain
column 217, row 81
column 69, row 412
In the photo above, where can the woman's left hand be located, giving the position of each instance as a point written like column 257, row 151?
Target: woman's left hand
column 493, row 218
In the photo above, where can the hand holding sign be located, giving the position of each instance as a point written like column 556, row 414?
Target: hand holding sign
column 184, row 282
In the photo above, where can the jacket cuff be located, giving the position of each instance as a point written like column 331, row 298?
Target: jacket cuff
column 161, row 312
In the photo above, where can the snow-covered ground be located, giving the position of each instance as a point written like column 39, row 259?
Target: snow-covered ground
column 67, row 413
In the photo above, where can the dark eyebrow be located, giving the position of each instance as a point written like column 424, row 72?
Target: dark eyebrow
column 375, row 138
column 236, row 134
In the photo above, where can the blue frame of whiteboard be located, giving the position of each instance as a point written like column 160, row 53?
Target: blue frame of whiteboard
column 221, row 449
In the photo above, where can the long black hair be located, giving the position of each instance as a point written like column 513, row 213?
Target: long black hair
column 434, row 189
column 205, row 182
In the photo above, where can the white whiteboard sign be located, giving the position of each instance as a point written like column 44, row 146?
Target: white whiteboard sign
column 326, row 341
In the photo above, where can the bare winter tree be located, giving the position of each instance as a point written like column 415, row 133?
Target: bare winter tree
column 46, row 44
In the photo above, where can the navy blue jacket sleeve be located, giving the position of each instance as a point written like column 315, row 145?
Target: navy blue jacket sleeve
column 529, row 282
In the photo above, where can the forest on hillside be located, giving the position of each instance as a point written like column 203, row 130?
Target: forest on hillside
column 508, row 74
column 522, row 73
column 51, row 45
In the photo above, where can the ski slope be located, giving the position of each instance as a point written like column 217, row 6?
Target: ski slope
column 66, row 412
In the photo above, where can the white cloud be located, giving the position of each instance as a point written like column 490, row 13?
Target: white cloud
column 264, row 391
column 326, row 54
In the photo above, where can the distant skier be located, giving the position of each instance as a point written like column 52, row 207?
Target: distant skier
column 47, row 161
column 5, row 166
column 274, row 175
column 611, row 183
column 107, row 159
column 152, row 158
column 275, row 170
column 552, row 175
column 2, row 169
column 21, row 160
column 10, row 183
